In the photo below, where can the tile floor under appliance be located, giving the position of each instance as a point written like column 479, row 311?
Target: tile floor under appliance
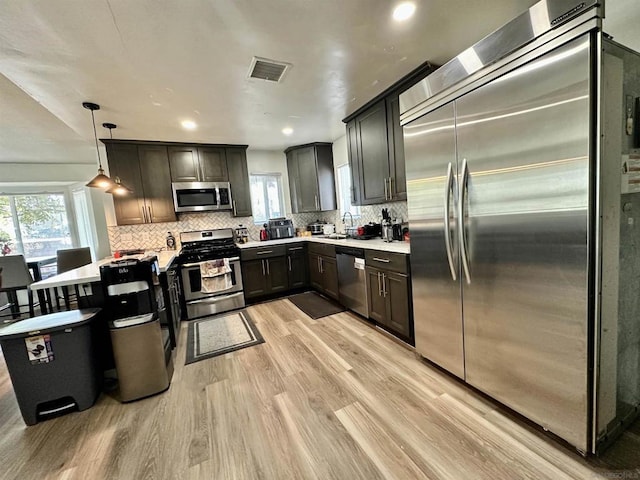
column 321, row 399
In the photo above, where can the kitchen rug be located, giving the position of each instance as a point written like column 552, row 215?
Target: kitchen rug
column 212, row 336
column 315, row 305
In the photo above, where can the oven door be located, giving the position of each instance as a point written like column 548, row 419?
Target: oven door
column 192, row 281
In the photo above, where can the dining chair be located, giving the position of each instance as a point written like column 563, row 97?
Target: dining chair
column 68, row 259
column 15, row 277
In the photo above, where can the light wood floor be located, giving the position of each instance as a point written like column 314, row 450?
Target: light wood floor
column 321, row 399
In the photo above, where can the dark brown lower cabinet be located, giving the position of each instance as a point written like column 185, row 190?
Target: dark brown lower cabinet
column 389, row 306
column 330, row 275
column 298, row 266
column 265, row 276
column 253, row 278
column 323, row 274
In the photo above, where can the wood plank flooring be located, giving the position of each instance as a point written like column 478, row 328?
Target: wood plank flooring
column 320, row 399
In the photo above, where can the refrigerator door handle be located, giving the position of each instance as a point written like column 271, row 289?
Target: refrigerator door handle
column 447, row 225
column 464, row 179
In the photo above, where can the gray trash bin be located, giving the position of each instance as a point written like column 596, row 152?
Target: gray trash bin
column 52, row 363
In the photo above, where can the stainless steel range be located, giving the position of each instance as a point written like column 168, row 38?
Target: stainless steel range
column 201, row 247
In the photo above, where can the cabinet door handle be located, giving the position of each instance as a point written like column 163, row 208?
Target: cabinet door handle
column 382, row 260
column 144, row 215
column 390, row 188
column 235, row 211
column 264, row 252
column 317, row 203
column 268, row 269
column 289, row 258
column 386, row 193
column 384, row 285
column 262, row 263
column 150, row 217
column 379, row 286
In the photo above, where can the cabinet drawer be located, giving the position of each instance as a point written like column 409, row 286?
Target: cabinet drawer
column 325, row 249
column 395, row 262
column 299, row 248
column 262, row 252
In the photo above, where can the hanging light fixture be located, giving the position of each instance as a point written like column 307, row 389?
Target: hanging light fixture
column 100, row 180
column 117, row 188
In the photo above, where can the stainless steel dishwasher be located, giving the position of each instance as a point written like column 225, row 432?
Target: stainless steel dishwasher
column 352, row 279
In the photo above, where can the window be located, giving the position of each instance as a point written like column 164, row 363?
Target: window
column 267, row 200
column 34, row 225
column 344, row 192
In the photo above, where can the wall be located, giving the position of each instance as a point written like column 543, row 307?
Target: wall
column 37, row 173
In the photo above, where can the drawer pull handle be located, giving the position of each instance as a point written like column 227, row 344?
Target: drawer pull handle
column 383, row 260
column 264, row 252
column 295, row 248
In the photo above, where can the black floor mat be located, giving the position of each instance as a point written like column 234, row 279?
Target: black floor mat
column 315, row 305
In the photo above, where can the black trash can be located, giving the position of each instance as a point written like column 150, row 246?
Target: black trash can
column 52, row 363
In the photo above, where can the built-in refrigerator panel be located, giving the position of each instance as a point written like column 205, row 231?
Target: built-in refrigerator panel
column 431, row 167
column 524, row 145
column 617, row 368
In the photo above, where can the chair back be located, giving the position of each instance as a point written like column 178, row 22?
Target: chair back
column 71, row 258
column 15, row 273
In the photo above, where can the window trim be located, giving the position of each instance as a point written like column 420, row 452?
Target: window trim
column 357, row 208
column 279, row 177
column 26, row 191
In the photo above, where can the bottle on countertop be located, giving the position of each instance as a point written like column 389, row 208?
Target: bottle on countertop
column 171, row 242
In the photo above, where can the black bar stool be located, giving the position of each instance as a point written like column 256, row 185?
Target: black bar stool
column 15, row 276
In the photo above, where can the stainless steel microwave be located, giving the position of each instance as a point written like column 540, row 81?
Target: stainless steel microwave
column 201, row 196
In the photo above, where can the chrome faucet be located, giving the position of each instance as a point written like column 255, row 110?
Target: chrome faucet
column 345, row 215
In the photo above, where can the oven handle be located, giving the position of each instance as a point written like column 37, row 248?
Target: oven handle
column 215, row 298
column 189, row 265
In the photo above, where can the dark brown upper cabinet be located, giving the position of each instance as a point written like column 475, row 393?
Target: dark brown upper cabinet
column 198, row 164
column 149, row 167
column 239, row 180
column 311, row 177
column 144, row 169
column 375, row 145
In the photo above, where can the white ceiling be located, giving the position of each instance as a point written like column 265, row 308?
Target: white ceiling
column 152, row 63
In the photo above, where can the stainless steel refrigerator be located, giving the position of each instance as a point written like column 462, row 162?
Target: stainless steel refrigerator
column 513, row 158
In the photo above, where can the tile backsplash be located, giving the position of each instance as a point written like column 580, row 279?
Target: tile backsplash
column 370, row 213
column 152, row 236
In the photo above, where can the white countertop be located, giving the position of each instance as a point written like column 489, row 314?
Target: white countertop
column 91, row 272
column 373, row 244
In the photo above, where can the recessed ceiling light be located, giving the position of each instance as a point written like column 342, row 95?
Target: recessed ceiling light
column 404, row 11
column 287, row 130
column 188, row 124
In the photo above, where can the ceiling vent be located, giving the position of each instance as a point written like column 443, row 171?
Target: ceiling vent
column 269, row 70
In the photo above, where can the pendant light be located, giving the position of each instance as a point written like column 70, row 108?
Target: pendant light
column 117, row 188
column 100, row 180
